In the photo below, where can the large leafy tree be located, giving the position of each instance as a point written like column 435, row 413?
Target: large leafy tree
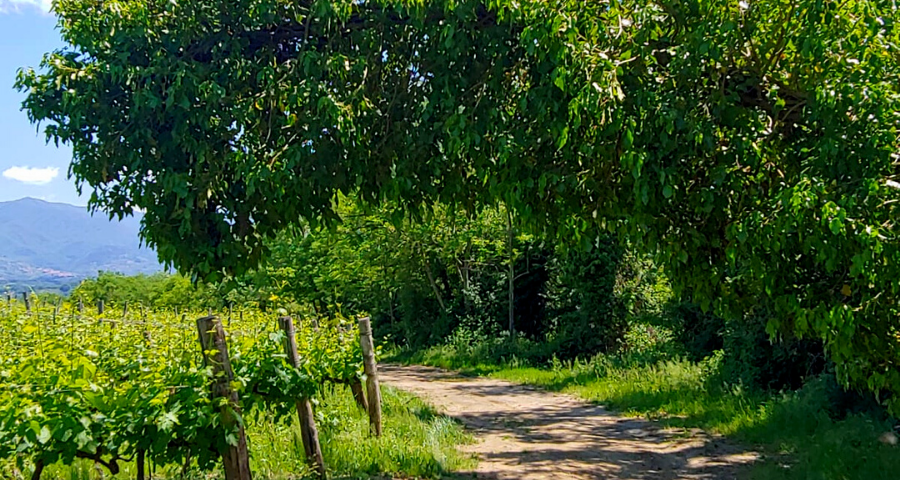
column 752, row 145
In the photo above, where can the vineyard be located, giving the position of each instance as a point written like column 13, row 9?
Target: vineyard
column 116, row 388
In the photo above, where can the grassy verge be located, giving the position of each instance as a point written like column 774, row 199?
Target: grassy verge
column 801, row 435
column 417, row 443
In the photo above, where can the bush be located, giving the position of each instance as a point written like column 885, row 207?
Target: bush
column 698, row 332
column 590, row 317
column 754, row 360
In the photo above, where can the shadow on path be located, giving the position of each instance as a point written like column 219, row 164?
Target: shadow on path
column 527, row 433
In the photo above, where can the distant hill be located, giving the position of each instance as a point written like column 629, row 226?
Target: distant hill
column 52, row 246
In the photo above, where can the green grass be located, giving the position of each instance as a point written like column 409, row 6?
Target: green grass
column 417, row 443
column 794, row 432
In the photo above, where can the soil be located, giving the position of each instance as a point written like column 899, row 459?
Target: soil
column 527, row 433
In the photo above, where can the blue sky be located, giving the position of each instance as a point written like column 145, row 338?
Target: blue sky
column 28, row 166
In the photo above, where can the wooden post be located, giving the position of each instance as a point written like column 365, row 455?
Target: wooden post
column 236, row 459
column 99, row 307
column 80, row 306
column 359, row 394
column 27, row 303
column 371, row 369
column 125, row 310
column 308, row 431
column 9, row 301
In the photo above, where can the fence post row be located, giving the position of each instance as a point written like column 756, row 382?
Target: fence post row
column 371, row 370
column 308, row 431
column 236, row 459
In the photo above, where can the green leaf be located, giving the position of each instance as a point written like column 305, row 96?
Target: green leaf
column 45, row 435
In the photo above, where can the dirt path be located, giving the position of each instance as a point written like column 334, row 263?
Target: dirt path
column 526, row 433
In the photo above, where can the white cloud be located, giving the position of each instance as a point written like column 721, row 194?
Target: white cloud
column 31, row 176
column 18, row 5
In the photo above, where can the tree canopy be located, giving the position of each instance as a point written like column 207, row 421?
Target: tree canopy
column 753, row 146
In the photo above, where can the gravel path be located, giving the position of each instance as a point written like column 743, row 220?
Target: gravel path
column 527, row 433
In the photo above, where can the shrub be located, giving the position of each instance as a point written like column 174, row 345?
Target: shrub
column 754, row 360
column 590, row 317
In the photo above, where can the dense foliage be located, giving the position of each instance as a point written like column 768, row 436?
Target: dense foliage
column 157, row 291
column 752, row 146
column 450, row 273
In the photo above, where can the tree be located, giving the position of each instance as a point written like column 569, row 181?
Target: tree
column 160, row 290
column 751, row 145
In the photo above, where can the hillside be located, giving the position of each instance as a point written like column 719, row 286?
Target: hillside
column 53, row 245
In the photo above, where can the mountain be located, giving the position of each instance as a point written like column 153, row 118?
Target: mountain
column 47, row 245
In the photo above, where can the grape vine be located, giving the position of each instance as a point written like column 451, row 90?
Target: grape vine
column 110, row 388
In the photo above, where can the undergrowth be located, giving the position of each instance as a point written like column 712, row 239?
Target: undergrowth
column 802, row 434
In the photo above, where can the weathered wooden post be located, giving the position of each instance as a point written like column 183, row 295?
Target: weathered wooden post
column 27, row 303
column 236, row 459
column 125, row 310
column 359, row 395
column 99, row 307
column 308, row 431
column 369, row 366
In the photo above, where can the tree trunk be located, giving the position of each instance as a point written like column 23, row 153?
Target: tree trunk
column 38, row 470
column 434, row 287
column 511, row 274
column 140, row 465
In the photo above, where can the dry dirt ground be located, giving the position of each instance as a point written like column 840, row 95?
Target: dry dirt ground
column 526, row 433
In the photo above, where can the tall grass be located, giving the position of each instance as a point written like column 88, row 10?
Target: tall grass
column 417, row 442
column 799, row 434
